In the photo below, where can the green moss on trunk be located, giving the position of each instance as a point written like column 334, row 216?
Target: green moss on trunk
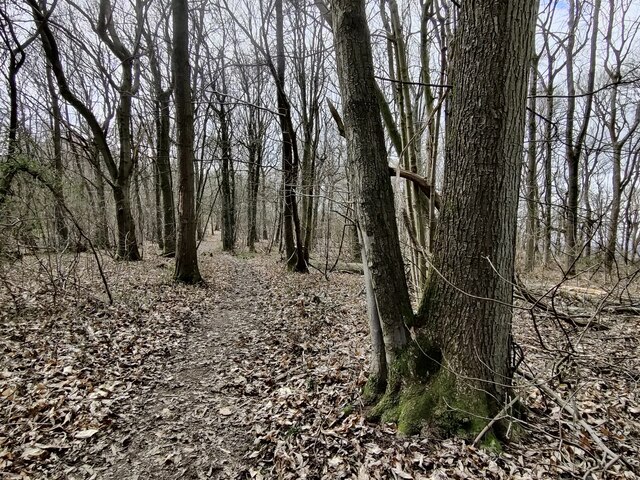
column 422, row 393
column 444, row 405
column 373, row 389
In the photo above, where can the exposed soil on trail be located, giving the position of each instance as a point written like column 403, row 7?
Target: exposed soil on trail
column 257, row 374
column 193, row 422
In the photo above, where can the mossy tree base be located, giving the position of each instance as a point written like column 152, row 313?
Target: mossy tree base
column 441, row 404
column 373, row 390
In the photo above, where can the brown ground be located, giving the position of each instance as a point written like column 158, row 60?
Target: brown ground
column 257, row 375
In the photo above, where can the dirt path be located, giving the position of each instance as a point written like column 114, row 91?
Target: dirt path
column 174, row 381
column 193, row 422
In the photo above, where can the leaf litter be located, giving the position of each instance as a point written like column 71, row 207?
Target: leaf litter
column 258, row 374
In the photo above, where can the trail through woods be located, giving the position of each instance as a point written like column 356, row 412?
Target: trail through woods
column 258, row 374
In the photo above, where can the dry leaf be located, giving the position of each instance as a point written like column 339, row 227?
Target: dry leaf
column 86, row 433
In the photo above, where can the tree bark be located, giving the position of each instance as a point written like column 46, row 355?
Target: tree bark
column 369, row 178
column 465, row 315
column 456, row 373
column 532, row 180
column 227, row 182
column 255, row 132
column 157, row 197
column 62, row 232
column 102, row 225
column 294, row 250
column 187, row 270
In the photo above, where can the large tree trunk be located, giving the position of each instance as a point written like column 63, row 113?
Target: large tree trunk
column 465, row 315
column 186, row 253
column 457, row 372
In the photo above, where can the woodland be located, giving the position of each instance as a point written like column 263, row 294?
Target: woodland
column 393, row 239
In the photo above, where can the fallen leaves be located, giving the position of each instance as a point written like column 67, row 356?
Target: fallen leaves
column 258, row 376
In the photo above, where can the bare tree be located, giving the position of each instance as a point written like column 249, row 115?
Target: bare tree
column 186, row 251
column 623, row 113
column 162, row 99
column 119, row 172
column 574, row 143
column 460, row 357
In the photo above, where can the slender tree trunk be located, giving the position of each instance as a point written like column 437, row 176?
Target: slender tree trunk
column 253, row 182
column 158, row 205
column 308, row 181
column 588, row 210
column 16, row 60
column 548, row 152
column 574, row 144
column 138, row 198
column 102, row 239
column 62, row 232
column 121, row 175
column 186, row 252
column 164, row 169
column 532, row 174
column 162, row 114
column 378, row 361
column 227, row 182
column 294, row 248
column 265, row 232
column 369, row 176
column 612, row 240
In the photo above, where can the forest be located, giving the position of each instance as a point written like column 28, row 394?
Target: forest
column 324, row 239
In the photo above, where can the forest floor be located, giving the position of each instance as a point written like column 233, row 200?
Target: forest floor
column 257, row 374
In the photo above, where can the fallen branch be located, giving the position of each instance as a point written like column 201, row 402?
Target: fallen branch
column 344, row 267
column 622, row 309
column 522, row 293
column 558, row 400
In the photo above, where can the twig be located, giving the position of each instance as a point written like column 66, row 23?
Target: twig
column 495, row 419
